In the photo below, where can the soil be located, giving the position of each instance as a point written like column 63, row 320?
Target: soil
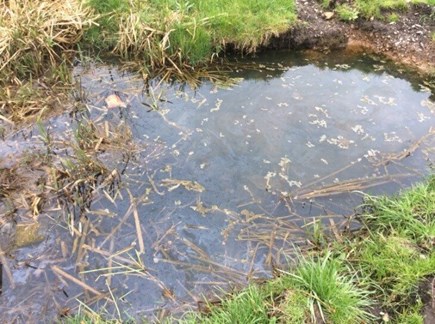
column 427, row 293
column 408, row 40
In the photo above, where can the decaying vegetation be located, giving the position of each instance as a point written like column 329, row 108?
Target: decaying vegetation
column 38, row 40
column 339, row 281
column 364, row 276
column 41, row 38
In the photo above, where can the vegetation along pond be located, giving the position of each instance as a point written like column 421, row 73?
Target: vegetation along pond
column 162, row 194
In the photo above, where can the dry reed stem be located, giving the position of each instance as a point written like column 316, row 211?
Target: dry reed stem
column 7, row 269
column 108, row 254
column 346, row 186
column 137, row 223
column 394, row 157
column 78, row 282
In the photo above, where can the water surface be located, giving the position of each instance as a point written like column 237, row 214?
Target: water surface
column 220, row 182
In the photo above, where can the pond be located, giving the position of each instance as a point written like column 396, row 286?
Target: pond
column 214, row 186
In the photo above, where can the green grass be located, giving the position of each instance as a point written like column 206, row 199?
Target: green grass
column 410, row 215
column 40, row 38
column 246, row 307
column 380, row 9
column 382, row 264
column 346, row 12
column 396, row 264
column 334, row 295
column 315, row 289
column 188, row 32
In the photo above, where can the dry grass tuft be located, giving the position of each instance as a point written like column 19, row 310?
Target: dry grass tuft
column 37, row 33
column 36, row 43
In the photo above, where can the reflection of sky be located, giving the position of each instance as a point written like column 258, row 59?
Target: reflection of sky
column 320, row 120
column 246, row 145
column 280, row 134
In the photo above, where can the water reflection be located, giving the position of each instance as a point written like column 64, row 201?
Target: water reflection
column 220, row 180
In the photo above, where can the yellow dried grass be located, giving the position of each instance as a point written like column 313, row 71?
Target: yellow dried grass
column 36, row 32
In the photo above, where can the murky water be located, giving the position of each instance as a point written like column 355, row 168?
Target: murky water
column 218, row 183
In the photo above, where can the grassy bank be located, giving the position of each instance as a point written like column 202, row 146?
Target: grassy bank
column 40, row 39
column 38, row 36
column 375, row 274
column 182, row 32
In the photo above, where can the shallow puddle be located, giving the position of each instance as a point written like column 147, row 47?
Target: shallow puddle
column 215, row 185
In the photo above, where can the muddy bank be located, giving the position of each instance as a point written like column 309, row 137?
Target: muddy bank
column 407, row 40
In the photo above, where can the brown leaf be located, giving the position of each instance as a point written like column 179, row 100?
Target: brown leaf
column 113, row 101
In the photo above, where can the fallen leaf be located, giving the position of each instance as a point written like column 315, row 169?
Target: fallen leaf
column 113, row 101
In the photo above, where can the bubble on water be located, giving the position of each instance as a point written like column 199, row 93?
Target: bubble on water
column 309, row 144
column 372, row 153
column 392, row 137
column 369, row 101
column 428, row 104
column 422, row 117
column 284, row 162
column 386, row 101
column 318, row 122
column 341, row 142
column 363, row 109
column 342, row 66
column 358, row 129
column 217, row 105
column 324, row 111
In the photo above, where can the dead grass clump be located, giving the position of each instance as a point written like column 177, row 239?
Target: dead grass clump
column 27, row 101
column 36, row 33
column 21, row 188
column 7, row 182
column 77, row 180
